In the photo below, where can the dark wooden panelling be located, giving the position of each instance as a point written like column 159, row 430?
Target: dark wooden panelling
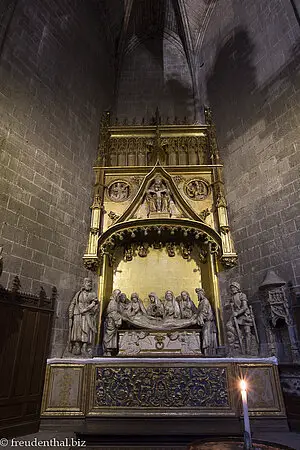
column 25, row 329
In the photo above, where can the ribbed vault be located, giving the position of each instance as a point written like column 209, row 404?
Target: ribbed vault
column 163, row 36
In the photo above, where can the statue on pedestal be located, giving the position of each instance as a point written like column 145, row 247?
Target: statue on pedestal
column 83, row 311
column 241, row 323
column 207, row 321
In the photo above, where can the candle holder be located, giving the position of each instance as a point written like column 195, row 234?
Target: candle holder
column 247, row 430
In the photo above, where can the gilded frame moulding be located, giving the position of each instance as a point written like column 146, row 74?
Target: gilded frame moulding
column 65, row 407
column 266, row 385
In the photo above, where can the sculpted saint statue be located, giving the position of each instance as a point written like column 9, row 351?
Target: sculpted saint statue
column 83, row 311
column 186, row 305
column 171, row 306
column 207, row 322
column 155, row 307
column 241, row 322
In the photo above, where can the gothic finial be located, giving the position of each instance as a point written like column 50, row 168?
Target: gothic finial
column 42, row 295
column 208, row 115
column 134, row 121
column 116, row 121
column 16, row 285
column 157, row 117
column 54, row 294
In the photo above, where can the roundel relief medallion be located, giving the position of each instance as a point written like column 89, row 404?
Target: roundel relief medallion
column 196, row 189
column 118, row 191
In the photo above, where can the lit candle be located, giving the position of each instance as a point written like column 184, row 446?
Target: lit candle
column 247, row 430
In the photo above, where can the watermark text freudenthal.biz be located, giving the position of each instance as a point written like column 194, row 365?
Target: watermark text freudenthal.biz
column 53, row 442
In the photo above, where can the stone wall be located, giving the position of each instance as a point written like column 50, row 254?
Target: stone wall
column 56, row 79
column 250, row 78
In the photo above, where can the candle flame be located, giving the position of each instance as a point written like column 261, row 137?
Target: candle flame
column 243, row 385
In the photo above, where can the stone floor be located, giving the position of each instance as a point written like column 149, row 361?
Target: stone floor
column 56, row 439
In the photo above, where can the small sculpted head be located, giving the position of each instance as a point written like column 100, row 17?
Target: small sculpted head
column 115, row 294
column 169, row 295
column 235, row 287
column 152, row 297
column 134, row 297
column 122, row 297
column 87, row 284
column 185, row 295
column 200, row 292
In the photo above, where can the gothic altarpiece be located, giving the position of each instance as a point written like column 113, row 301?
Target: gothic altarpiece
column 159, row 236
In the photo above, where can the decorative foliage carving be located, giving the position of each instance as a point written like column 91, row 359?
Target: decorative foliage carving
column 136, row 180
column 161, row 387
column 186, row 250
column 204, row 214
column 91, row 264
column 178, row 179
column 229, row 261
column 113, row 216
column 128, row 253
column 170, row 246
column 143, row 250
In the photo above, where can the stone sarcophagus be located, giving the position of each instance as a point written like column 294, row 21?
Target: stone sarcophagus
column 159, row 343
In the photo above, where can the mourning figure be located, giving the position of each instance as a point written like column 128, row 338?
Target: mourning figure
column 186, row 305
column 136, row 306
column 112, row 322
column 207, row 323
column 171, row 306
column 155, row 307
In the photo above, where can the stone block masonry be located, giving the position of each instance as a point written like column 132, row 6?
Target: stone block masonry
column 251, row 78
column 55, row 81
